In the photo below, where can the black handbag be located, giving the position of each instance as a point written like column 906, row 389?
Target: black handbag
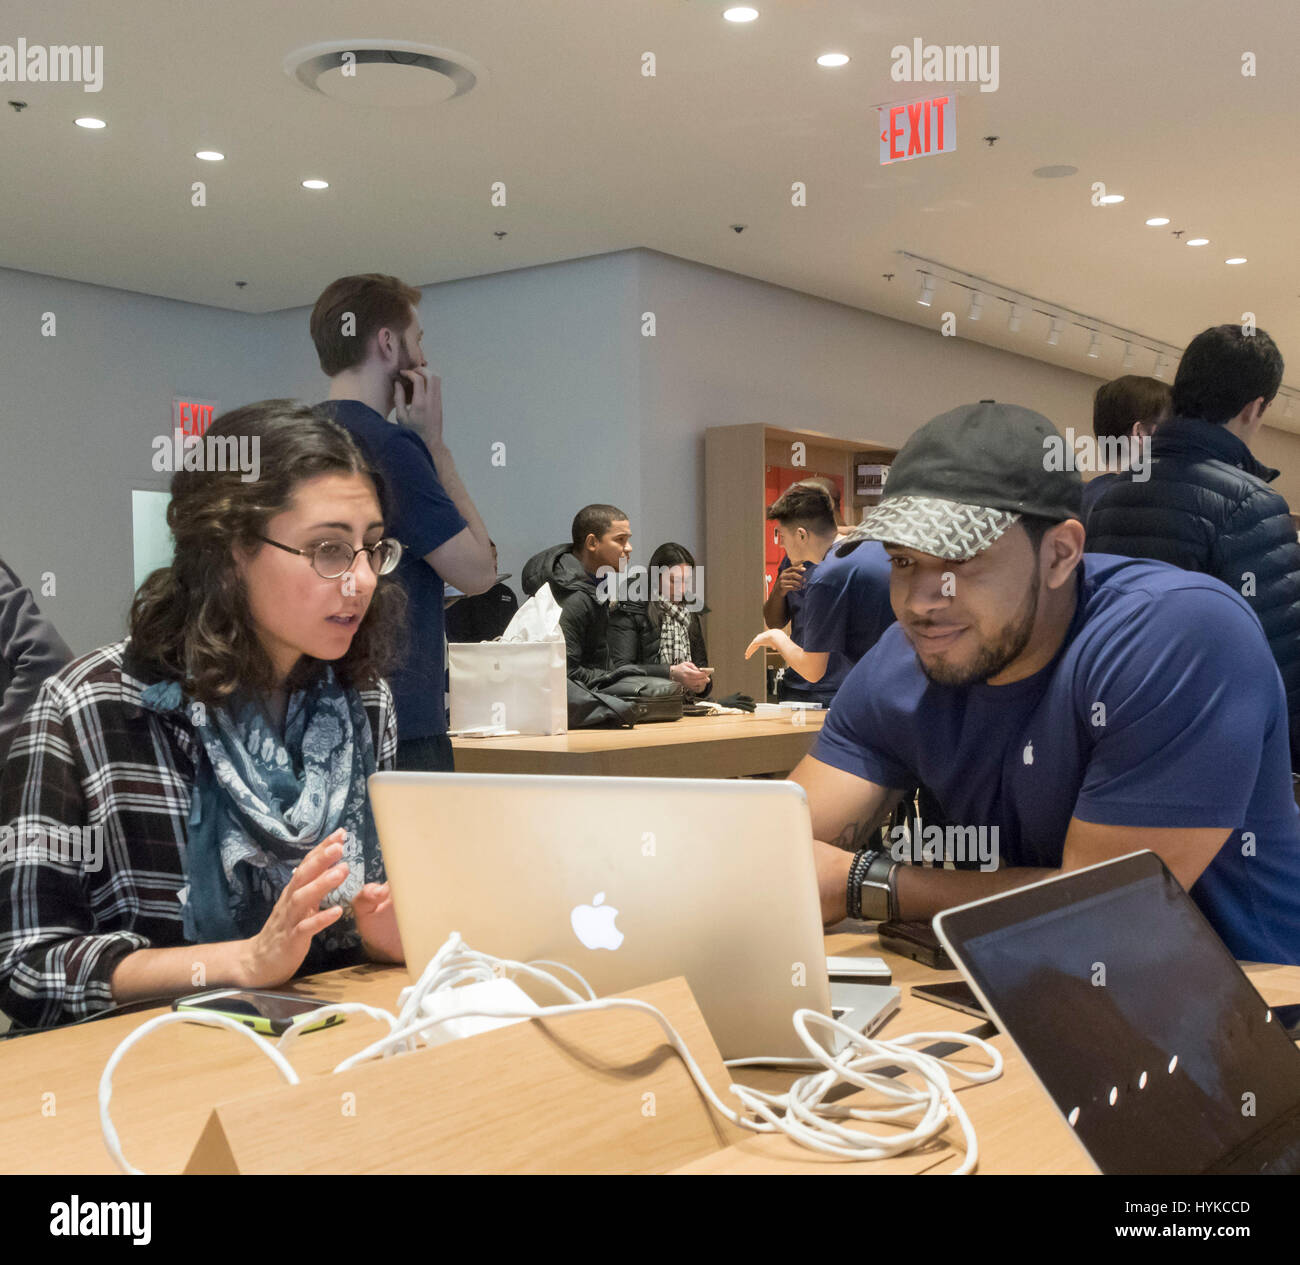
column 656, row 698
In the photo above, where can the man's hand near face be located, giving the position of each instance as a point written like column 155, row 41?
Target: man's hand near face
column 424, row 412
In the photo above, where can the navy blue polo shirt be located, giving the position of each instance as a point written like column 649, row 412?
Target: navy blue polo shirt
column 814, row 692
column 1163, row 707
column 423, row 517
column 846, row 606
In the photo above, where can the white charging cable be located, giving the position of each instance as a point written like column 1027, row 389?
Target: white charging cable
column 801, row 1113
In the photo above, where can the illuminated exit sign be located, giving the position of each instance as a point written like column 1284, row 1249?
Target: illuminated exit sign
column 913, row 129
column 192, row 417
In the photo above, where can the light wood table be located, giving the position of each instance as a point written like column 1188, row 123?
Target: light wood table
column 695, row 746
column 164, row 1089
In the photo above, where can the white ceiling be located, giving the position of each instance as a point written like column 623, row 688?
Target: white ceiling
column 1147, row 97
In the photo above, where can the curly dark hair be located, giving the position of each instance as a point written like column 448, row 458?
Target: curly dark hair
column 191, row 620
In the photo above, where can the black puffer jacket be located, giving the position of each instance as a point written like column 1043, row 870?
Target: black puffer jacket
column 585, row 620
column 1208, row 507
column 634, row 637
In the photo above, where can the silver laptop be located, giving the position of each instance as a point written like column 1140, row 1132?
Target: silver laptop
column 1132, row 1014
column 628, row 881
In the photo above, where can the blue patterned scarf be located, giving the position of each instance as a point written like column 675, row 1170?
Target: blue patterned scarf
column 260, row 804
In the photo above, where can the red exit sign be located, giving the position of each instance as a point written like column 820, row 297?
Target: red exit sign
column 913, row 129
column 193, row 417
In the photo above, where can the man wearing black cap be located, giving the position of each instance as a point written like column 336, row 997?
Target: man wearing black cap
column 1075, row 709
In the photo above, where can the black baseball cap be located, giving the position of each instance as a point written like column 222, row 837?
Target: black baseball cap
column 966, row 477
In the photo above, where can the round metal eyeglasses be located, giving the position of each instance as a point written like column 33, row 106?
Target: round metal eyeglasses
column 333, row 558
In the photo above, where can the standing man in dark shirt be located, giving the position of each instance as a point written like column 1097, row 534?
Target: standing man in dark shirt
column 367, row 335
column 484, row 617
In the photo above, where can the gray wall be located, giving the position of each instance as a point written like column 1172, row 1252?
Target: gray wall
column 78, row 413
column 549, row 361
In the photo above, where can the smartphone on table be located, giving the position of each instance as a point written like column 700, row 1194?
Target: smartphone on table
column 271, row 1014
column 915, row 940
column 956, row 995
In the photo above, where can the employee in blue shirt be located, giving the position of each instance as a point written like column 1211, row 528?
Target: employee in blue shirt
column 1085, row 706
column 837, row 607
column 367, row 335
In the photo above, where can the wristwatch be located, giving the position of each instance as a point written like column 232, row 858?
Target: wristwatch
column 871, row 893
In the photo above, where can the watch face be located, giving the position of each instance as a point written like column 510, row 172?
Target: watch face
column 875, row 902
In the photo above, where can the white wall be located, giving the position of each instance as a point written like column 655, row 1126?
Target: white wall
column 549, row 361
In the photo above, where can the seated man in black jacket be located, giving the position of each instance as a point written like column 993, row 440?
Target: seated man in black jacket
column 583, row 578
column 1207, row 506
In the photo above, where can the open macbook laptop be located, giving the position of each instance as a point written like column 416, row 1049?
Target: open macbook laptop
column 628, row 881
column 1136, row 1020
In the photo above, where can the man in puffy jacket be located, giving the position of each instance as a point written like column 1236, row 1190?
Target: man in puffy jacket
column 1207, row 506
column 578, row 575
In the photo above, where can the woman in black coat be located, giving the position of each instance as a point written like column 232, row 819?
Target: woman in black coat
column 665, row 629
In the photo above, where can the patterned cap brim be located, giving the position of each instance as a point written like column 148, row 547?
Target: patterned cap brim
column 945, row 529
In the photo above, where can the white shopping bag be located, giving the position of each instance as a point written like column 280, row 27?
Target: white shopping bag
column 519, row 683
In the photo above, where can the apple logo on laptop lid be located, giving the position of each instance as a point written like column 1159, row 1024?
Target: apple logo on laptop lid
column 594, row 924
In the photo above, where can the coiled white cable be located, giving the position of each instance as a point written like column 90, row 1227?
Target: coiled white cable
column 801, row 1113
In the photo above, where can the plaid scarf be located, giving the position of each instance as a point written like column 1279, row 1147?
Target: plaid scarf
column 674, row 632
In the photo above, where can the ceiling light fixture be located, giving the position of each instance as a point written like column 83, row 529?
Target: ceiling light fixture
column 1161, row 364
column 210, row 155
column 315, row 184
column 1198, row 241
column 976, row 305
column 1094, row 347
column 741, row 13
column 1128, row 355
column 1054, row 334
column 1157, row 221
column 1236, row 259
column 833, row 59
column 1017, row 315
column 91, row 124
column 1111, row 199
column 926, row 297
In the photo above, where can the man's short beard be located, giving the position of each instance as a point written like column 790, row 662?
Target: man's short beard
column 994, row 658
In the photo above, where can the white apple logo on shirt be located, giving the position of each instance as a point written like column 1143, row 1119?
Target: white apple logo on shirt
column 594, row 924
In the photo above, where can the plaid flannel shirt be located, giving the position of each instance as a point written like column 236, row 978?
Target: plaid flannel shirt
column 89, row 756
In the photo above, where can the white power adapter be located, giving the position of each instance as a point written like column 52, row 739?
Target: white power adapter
column 493, row 994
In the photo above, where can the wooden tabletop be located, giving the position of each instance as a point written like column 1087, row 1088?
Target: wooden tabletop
column 695, row 746
column 165, row 1088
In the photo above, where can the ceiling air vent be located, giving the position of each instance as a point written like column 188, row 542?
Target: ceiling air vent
column 383, row 74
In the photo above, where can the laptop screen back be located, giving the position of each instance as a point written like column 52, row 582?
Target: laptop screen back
column 1134, row 1016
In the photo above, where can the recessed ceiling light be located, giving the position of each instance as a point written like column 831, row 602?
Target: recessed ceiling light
column 1198, row 241
column 833, row 59
column 1055, row 172
column 1157, row 221
column 741, row 13
column 315, row 184
column 1236, row 259
column 209, row 155
column 93, row 124
column 1111, row 198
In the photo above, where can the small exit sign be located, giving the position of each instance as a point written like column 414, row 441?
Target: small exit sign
column 192, row 417
column 913, row 129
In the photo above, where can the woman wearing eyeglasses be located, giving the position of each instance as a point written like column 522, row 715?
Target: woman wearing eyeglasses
column 187, row 808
